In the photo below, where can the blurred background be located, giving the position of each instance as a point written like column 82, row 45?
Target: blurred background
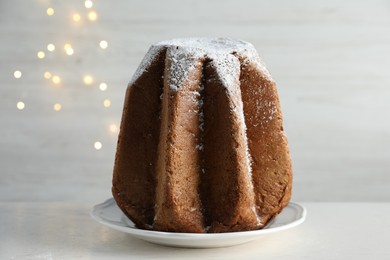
column 65, row 65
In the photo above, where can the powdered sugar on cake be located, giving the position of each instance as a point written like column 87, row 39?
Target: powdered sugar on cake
column 227, row 68
column 199, row 49
column 182, row 62
column 150, row 56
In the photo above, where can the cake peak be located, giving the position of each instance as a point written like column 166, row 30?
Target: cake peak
column 182, row 49
column 210, row 45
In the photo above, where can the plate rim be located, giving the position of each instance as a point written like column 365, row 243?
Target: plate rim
column 163, row 234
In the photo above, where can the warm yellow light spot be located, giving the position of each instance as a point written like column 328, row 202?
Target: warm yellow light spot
column 113, row 128
column 76, row 17
column 88, row 3
column 50, row 11
column 67, row 46
column 47, row 75
column 103, row 44
column 56, row 79
column 17, row 74
column 88, row 79
column 98, row 145
column 20, row 105
column 41, row 54
column 57, row 107
column 51, row 47
column 106, row 103
column 92, row 16
column 69, row 51
column 103, row 86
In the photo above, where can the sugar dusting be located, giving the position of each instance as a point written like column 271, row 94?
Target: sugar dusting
column 200, row 145
column 201, row 113
column 228, row 70
column 211, row 45
column 150, row 56
column 183, row 52
column 182, row 61
column 227, row 67
column 254, row 59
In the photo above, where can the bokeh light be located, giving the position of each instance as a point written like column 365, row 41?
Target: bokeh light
column 17, row 74
column 103, row 44
column 92, row 16
column 47, row 75
column 56, row 79
column 106, row 103
column 98, row 145
column 88, row 4
column 113, row 128
column 88, row 80
column 20, row 105
column 68, row 49
column 76, row 17
column 57, row 107
column 103, row 86
column 49, row 11
column 41, row 54
column 51, row 47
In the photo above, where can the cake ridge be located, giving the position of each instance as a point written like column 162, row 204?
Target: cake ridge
column 150, row 57
column 177, row 171
column 182, row 63
column 227, row 79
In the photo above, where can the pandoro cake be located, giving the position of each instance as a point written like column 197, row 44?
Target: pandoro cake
column 201, row 146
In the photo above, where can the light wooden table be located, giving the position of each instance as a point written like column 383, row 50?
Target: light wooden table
column 65, row 231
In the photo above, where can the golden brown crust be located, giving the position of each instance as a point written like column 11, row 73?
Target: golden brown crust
column 134, row 169
column 226, row 184
column 178, row 207
column 271, row 163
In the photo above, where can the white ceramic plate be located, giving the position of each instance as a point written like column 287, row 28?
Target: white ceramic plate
column 108, row 213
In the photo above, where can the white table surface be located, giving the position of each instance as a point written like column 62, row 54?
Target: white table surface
column 66, row 231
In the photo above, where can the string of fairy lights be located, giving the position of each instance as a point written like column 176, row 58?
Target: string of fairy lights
column 69, row 50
